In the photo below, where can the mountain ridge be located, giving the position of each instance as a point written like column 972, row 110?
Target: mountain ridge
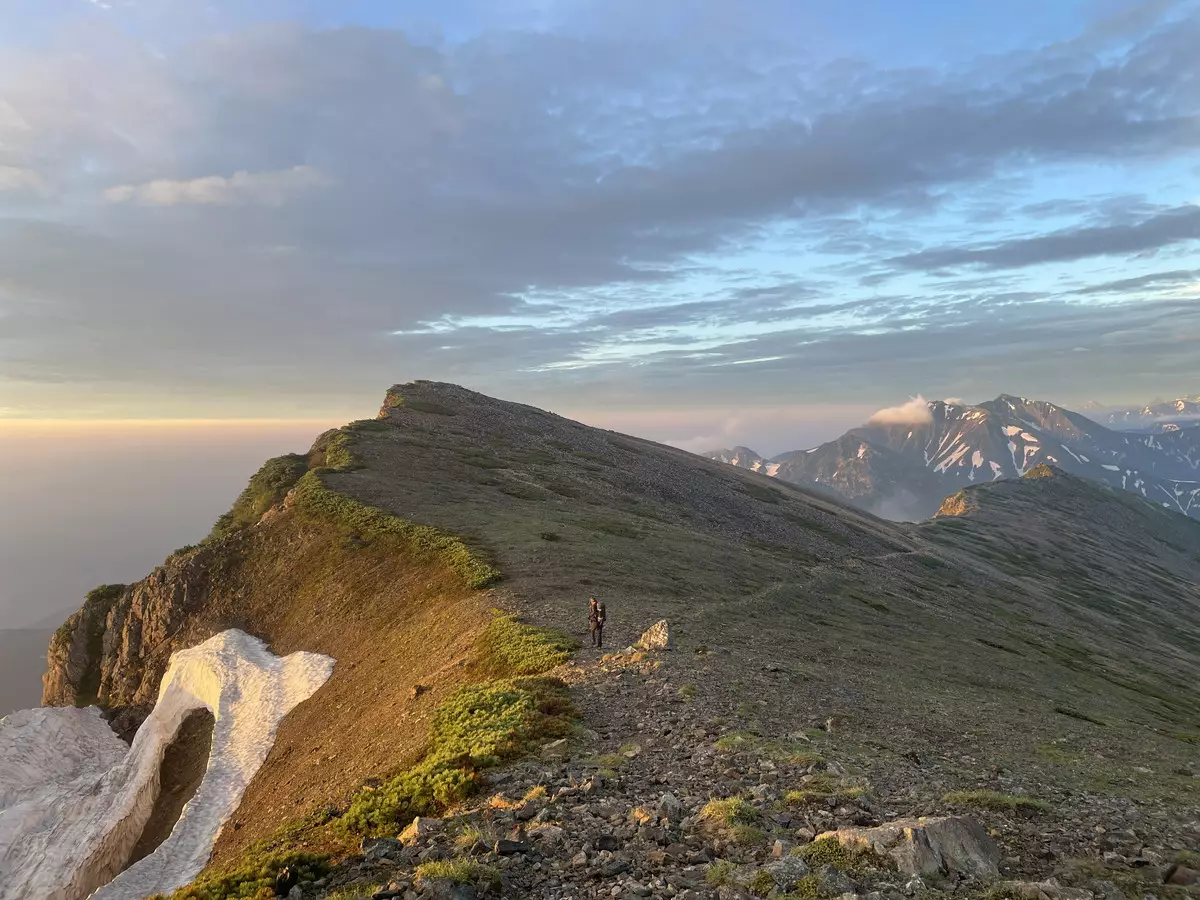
column 903, row 469
column 797, row 620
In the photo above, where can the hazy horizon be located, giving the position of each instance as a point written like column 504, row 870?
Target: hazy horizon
column 106, row 501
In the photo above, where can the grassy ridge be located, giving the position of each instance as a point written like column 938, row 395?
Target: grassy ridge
column 272, row 482
column 313, row 497
column 268, row 486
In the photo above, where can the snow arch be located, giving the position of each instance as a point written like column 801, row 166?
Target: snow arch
column 74, row 799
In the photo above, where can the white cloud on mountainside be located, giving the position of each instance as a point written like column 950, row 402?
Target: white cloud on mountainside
column 914, row 412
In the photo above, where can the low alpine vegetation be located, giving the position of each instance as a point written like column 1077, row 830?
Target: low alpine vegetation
column 255, row 879
column 460, row 871
column 509, row 647
column 854, row 861
column 996, row 801
column 821, row 787
column 475, row 728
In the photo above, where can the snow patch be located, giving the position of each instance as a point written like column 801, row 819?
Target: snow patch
column 74, row 800
column 977, row 459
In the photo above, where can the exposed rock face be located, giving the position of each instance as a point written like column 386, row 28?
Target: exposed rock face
column 951, row 844
column 116, row 648
column 76, row 649
column 656, row 637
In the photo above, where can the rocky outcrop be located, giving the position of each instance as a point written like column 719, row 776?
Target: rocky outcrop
column 936, row 845
column 656, row 637
column 115, row 649
column 76, row 651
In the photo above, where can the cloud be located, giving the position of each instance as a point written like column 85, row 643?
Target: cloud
column 1172, row 226
column 1153, row 280
column 18, row 180
column 913, row 412
column 671, row 218
column 269, row 188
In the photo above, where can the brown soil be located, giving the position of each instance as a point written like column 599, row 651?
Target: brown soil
column 389, row 621
column 182, row 769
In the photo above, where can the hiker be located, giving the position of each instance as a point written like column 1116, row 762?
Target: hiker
column 596, row 617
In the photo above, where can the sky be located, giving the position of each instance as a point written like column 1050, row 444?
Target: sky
column 703, row 221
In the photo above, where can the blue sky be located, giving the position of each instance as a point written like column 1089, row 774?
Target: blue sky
column 711, row 216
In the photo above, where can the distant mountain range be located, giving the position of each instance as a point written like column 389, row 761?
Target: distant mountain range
column 1172, row 415
column 904, row 462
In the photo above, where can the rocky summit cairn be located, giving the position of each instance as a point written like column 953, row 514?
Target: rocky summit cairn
column 656, row 637
column 925, row 846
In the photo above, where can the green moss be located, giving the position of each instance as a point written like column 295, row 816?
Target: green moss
column 473, row 729
column 461, row 871
column 807, row 888
column 255, row 879
column 822, row 787
column 509, row 647
column 369, row 522
column 855, row 861
column 729, row 812
column 761, row 884
column 996, row 801
column 268, row 486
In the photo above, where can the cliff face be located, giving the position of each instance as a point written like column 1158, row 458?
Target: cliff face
column 76, row 651
column 115, row 649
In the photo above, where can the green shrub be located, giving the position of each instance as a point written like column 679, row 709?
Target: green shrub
column 856, row 861
column 369, row 522
column 996, row 801
column 729, row 812
column 254, row 879
column 719, row 872
column 461, row 871
column 267, row 486
column 475, row 728
column 509, row 647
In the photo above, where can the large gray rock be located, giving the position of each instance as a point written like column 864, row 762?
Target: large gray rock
column 786, row 872
column 945, row 845
column 656, row 637
column 419, row 829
